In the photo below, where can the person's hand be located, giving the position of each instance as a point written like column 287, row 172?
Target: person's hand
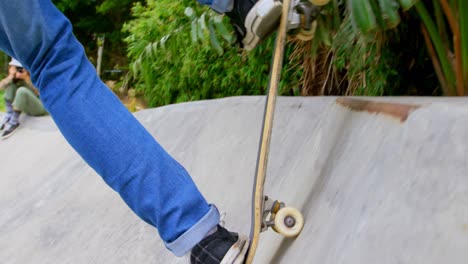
column 22, row 75
column 11, row 72
column 11, row 76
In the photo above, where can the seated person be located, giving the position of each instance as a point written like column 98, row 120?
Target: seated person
column 20, row 96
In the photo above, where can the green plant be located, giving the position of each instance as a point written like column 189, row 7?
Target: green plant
column 444, row 25
column 447, row 41
column 92, row 18
column 181, row 54
column 183, row 51
column 350, row 52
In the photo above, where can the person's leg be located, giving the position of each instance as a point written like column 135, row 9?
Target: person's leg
column 26, row 101
column 253, row 20
column 96, row 124
column 10, row 92
column 12, row 124
column 7, row 116
column 220, row 6
column 8, row 96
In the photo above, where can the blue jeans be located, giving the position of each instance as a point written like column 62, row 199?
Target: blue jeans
column 92, row 119
column 220, row 6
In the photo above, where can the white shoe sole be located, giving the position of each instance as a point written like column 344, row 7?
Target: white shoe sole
column 260, row 21
column 236, row 254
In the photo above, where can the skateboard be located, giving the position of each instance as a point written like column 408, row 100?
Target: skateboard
column 267, row 212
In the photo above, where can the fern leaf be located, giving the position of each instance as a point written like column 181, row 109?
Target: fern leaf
column 214, row 39
column 190, row 13
column 407, row 4
column 362, row 15
column 193, row 32
column 223, row 31
column 390, row 15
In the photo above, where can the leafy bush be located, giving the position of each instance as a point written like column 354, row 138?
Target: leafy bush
column 443, row 25
column 169, row 67
column 182, row 51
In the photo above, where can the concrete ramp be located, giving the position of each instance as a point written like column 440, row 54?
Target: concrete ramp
column 377, row 182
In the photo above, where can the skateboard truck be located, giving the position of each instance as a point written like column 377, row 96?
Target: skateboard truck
column 308, row 12
column 284, row 220
column 303, row 17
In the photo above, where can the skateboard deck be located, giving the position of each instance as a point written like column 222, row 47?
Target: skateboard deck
column 262, row 161
column 285, row 220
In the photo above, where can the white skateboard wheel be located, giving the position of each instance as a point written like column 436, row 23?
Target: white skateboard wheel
column 320, row 2
column 306, row 35
column 289, row 222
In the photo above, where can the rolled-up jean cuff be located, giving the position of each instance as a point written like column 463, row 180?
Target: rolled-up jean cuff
column 222, row 6
column 191, row 237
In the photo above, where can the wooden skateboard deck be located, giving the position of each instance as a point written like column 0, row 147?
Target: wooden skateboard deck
column 262, row 161
column 286, row 221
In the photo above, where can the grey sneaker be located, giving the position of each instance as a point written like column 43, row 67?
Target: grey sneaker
column 254, row 20
column 221, row 247
column 10, row 129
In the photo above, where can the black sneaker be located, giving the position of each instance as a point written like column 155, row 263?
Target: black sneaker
column 221, row 247
column 10, row 130
column 3, row 125
column 254, row 20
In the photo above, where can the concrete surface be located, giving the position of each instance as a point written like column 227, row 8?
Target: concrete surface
column 373, row 188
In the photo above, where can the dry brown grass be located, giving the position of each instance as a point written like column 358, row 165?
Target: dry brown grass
column 319, row 77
